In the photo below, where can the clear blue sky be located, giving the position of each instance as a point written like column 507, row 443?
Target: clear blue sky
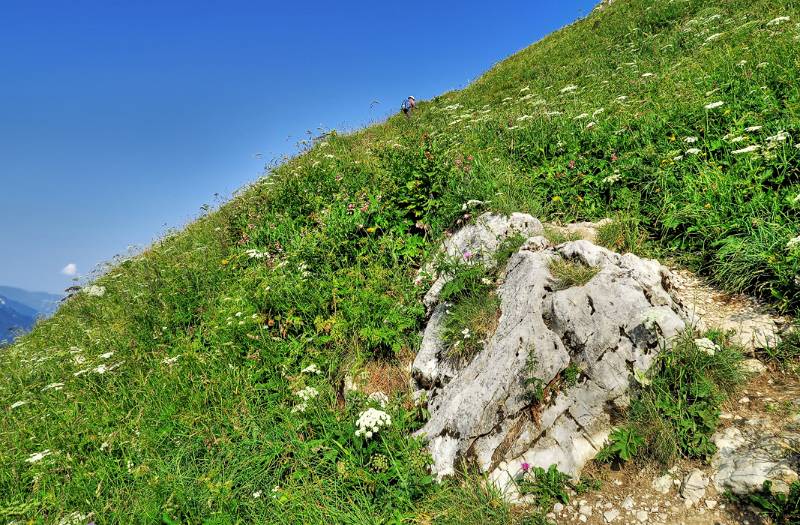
column 119, row 119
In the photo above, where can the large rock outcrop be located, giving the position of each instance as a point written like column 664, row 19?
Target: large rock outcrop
column 612, row 328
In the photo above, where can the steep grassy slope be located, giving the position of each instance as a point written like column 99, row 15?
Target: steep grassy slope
column 171, row 392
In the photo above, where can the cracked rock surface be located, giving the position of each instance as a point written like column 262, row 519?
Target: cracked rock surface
column 610, row 327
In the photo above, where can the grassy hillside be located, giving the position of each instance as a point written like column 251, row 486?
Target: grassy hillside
column 169, row 391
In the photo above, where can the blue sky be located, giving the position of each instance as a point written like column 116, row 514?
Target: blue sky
column 120, row 119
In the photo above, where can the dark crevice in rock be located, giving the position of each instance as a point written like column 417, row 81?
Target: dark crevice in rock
column 591, row 304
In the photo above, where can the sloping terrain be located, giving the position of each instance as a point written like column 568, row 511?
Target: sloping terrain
column 204, row 381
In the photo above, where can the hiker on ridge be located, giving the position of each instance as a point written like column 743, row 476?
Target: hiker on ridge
column 408, row 104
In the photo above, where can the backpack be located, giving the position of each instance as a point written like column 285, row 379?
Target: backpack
column 406, row 105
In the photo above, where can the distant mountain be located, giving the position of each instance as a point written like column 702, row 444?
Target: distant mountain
column 12, row 321
column 19, row 310
column 42, row 303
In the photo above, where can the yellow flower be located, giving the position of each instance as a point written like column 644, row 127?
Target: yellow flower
column 556, row 199
column 371, row 229
column 225, row 262
column 707, row 206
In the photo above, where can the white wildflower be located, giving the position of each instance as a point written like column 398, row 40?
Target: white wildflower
column 611, row 179
column 692, row 151
column 690, row 140
column 18, row 404
column 104, row 445
column 526, row 88
column 591, row 125
column 748, row 149
column 74, row 518
column 471, row 203
column 713, row 37
column 79, row 359
column 569, row 89
column 706, row 345
column 598, row 111
column 581, row 116
column 306, row 394
column 486, row 281
column 677, row 158
column 734, row 140
column 741, row 63
column 524, row 118
column 794, row 241
column 95, row 291
column 380, row 398
column 38, row 456
column 53, row 386
column 778, row 21
column 622, row 98
column 714, row 105
column 257, row 494
column 762, row 65
column 311, row 369
column 648, row 75
column 371, row 421
column 753, row 128
column 255, row 254
column 466, row 333
column 171, row 360
column 778, row 137
column 106, row 355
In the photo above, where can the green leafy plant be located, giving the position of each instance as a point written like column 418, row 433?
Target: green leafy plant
column 781, row 508
column 547, row 486
column 623, row 444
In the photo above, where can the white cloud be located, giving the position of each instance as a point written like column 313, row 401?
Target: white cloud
column 70, row 269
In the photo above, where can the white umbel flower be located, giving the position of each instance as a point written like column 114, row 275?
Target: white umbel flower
column 95, row 291
column 748, row 149
column 714, row 105
column 38, row 456
column 311, row 369
column 371, row 421
column 778, row 21
column 706, row 345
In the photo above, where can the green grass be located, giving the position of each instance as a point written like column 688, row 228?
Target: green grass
column 569, row 273
column 677, row 410
column 211, row 327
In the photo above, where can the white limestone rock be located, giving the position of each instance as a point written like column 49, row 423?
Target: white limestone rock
column 746, row 458
column 609, row 327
